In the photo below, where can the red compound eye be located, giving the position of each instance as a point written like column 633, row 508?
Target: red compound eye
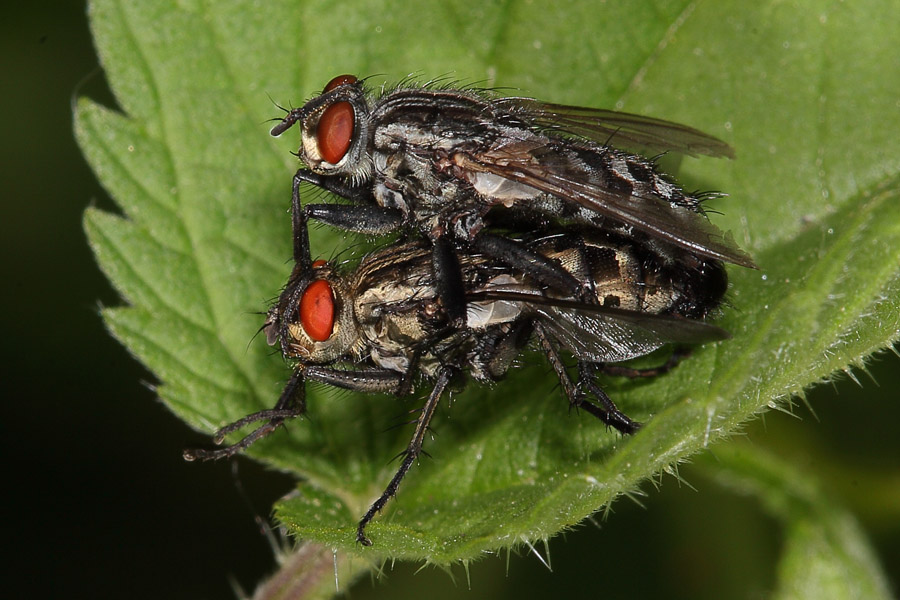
column 335, row 131
column 319, row 263
column 317, row 310
column 339, row 81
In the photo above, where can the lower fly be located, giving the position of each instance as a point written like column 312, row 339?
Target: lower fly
column 383, row 327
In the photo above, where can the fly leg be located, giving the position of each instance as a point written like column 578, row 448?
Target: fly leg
column 367, row 381
column 299, row 228
column 370, row 220
column 448, row 274
column 448, row 278
column 291, row 403
column 363, row 216
column 575, row 399
column 410, row 454
column 607, row 411
column 335, row 185
column 544, row 270
column 376, row 220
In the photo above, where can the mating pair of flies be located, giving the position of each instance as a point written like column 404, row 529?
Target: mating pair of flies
column 522, row 222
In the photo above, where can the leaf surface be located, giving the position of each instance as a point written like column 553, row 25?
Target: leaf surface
column 204, row 240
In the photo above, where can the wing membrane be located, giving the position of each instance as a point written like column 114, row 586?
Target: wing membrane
column 624, row 130
column 546, row 169
column 602, row 334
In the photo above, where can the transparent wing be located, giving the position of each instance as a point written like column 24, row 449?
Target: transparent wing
column 551, row 169
column 601, row 334
column 599, row 337
column 623, row 130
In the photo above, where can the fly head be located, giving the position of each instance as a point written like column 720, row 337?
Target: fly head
column 334, row 130
column 314, row 318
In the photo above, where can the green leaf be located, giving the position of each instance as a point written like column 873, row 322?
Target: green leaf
column 825, row 553
column 203, row 243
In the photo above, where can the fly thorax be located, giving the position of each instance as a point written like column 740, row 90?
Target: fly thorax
column 388, row 315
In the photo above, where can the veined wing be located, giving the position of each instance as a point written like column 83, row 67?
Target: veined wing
column 623, row 130
column 602, row 334
column 564, row 174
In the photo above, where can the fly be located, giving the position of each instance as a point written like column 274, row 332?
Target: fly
column 446, row 162
column 382, row 327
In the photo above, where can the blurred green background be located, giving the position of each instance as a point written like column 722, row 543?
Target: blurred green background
column 101, row 504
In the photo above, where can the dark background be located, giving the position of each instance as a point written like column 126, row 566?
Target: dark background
column 101, row 505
